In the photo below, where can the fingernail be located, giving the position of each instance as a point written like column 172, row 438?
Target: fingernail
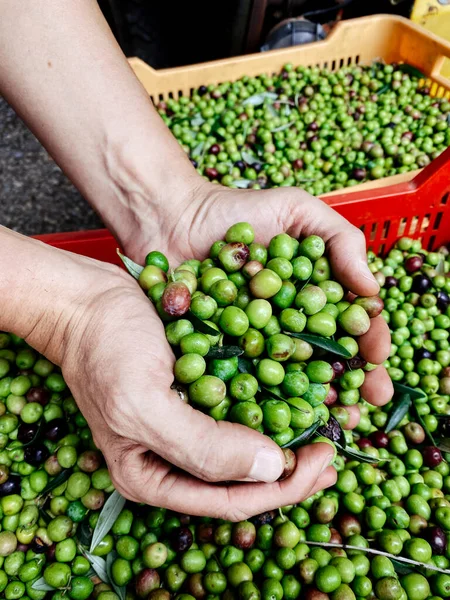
column 267, row 465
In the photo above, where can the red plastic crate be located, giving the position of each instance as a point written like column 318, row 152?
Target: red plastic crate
column 419, row 208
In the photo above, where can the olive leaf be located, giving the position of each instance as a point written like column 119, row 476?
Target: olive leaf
column 84, row 533
column 57, row 481
column 401, row 568
column 273, row 393
column 440, row 269
column 198, row 149
column 258, row 99
column 40, row 585
column 242, row 183
column 224, row 352
column 197, row 121
column 120, row 590
column 443, row 444
column 217, row 124
column 400, row 559
column 401, row 408
column 358, row 455
column 301, row 439
column 321, row 342
column 132, row 267
column 283, row 127
column 245, row 365
column 250, row 159
column 201, row 326
column 383, row 89
column 99, row 565
column 410, row 70
column 400, row 388
column 111, row 510
column 44, row 515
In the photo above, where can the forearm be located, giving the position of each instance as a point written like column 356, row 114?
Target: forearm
column 44, row 291
column 63, row 72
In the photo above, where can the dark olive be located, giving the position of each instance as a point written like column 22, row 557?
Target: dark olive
column 356, row 362
column 432, row 456
column 27, row 432
column 413, row 263
column 379, row 439
column 11, row 486
column 55, row 430
column 39, row 395
column 38, row 546
column 437, row 539
column 421, row 283
column 181, row 539
column 338, row 367
column 390, row 282
column 35, row 455
column 264, row 518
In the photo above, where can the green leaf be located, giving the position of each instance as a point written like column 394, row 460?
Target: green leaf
column 272, row 393
column 99, row 565
column 283, row 127
column 250, row 159
column 440, row 269
column 110, row 511
column 401, row 408
column 197, row 121
column 245, row 365
column 42, row 586
column 198, row 149
column 358, row 455
column 121, row 591
column 321, row 342
column 301, row 439
column 443, row 444
column 44, row 515
column 401, row 568
column 132, row 267
column 57, row 481
column 201, row 326
column 258, row 99
column 224, row 352
column 383, row 89
column 242, row 183
column 400, row 388
column 410, row 70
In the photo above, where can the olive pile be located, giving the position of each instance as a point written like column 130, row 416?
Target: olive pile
column 310, row 127
column 255, row 331
column 351, row 542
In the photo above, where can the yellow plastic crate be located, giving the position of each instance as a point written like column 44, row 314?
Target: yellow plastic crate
column 356, row 41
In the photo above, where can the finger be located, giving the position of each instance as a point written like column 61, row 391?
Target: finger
column 146, row 478
column 217, row 451
column 354, row 416
column 375, row 345
column 377, row 387
column 326, row 480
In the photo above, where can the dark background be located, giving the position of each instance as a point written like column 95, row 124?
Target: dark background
column 35, row 196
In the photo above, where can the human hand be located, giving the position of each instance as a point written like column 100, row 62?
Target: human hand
column 209, row 210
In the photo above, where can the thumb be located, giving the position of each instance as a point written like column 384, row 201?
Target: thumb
column 210, row 450
column 347, row 252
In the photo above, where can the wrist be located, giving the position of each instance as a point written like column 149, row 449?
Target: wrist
column 45, row 293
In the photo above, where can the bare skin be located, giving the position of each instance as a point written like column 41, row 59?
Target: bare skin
column 63, row 72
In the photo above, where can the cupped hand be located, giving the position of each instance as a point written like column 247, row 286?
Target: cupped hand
column 159, row 450
column 210, row 209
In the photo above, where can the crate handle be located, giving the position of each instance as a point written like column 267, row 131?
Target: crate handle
column 437, row 68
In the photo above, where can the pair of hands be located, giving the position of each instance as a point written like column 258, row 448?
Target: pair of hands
column 120, row 368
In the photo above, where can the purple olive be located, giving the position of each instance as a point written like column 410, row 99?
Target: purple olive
column 205, row 533
column 147, row 581
column 243, row 535
column 432, row 456
column 264, row 518
column 338, row 367
column 35, row 455
column 379, row 439
column 55, row 430
column 27, row 432
column 290, row 464
column 181, row 539
column 373, row 305
column 359, row 174
column 421, row 283
column 356, row 362
column 10, row 486
column 39, row 395
column 176, row 299
column 421, row 353
column 390, row 282
column 38, row 546
column 443, row 300
column 437, row 539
